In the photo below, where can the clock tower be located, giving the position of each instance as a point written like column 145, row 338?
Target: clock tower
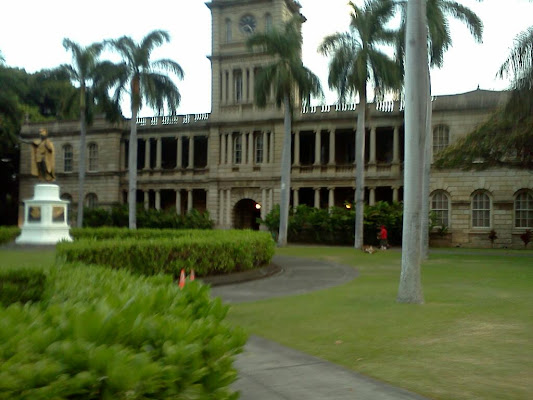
column 233, row 66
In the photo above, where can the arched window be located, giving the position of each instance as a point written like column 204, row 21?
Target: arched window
column 268, row 22
column 67, row 158
column 91, row 200
column 229, row 35
column 523, row 209
column 93, row 157
column 440, row 207
column 481, row 208
column 441, row 138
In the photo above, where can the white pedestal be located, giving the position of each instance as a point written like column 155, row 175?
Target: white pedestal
column 45, row 217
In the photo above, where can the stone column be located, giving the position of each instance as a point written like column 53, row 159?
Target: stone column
column 146, row 199
column 189, row 200
column 263, row 203
column 191, row 152
column 295, row 197
column 179, row 156
column 372, row 159
column 265, row 148
column 252, row 85
column 372, row 196
column 230, row 149
column 245, row 77
column 396, row 145
column 158, row 199
column 331, row 147
column 147, row 154
column 271, row 149
column 228, row 208
column 331, row 197
column 223, row 149
column 395, row 193
column 317, row 197
column 231, row 88
column 158, row 153
column 318, row 161
column 221, row 209
column 178, row 201
column 251, row 148
column 296, row 148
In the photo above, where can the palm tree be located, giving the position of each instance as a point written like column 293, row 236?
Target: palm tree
column 356, row 58
column 146, row 82
column 286, row 76
column 85, row 71
column 519, row 66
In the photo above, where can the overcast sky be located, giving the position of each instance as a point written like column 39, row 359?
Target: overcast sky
column 32, row 31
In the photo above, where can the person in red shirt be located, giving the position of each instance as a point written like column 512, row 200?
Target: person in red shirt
column 383, row 243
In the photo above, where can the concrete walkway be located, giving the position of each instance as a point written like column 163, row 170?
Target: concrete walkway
column 269, row 371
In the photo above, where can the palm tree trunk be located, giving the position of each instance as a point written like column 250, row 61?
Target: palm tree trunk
column 83, row 156
column 426, row 175
column 360, row 170
column 410, row 288
column 132, row 170
column 285, row 175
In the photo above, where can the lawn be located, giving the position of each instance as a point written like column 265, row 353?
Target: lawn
column 472, row 339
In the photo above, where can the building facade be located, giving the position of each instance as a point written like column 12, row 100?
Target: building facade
column 228, row 161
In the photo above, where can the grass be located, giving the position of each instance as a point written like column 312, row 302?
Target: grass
column 472, row 339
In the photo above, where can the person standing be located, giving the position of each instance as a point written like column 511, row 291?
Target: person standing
column 383, row 242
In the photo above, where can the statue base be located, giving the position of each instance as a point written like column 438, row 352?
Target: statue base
column 45, row 217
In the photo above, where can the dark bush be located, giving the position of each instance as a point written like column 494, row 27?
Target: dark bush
column 8, row 233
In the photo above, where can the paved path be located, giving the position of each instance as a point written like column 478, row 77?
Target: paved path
column 269, row 371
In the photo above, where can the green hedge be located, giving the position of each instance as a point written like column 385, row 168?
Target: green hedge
column 155, row 219
column 103, row 334
column 8, row 233
column 207, row 252
column 21, row 285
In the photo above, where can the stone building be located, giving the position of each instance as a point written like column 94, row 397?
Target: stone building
column 228, row 161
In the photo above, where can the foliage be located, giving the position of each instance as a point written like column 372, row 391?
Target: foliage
column 336, row 225
column 501, row 141
column 86, row 339
column 155, row 219
column 207, row 252
column 8, row 233
column 21, row 285
column 526, row 237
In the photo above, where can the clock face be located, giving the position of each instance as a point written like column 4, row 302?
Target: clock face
column 247, row 24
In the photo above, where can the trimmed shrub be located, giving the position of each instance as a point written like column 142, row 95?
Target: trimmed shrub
column 21, row 285
column 8, row 233
column 207, row 252
column 103, row 334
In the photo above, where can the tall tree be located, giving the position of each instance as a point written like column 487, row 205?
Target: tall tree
column 147, row 83
column 84, row 71
column 357, row 58
column 285, row 77
column 416, row 114
column 439, row 41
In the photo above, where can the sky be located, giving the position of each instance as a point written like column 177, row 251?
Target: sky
column 32, row 32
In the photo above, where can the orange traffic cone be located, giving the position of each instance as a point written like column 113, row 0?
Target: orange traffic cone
column 181, row 283
column 191, row 277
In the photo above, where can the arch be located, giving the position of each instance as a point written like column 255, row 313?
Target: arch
column 91, row 200
column 245, row 214
column 440, row 207
column 523, row 209
column 68, row 157
column 481, row 209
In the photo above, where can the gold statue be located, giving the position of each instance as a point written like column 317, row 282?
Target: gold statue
column 42, row 157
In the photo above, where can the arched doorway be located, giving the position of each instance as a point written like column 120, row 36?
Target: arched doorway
column 246, row 213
